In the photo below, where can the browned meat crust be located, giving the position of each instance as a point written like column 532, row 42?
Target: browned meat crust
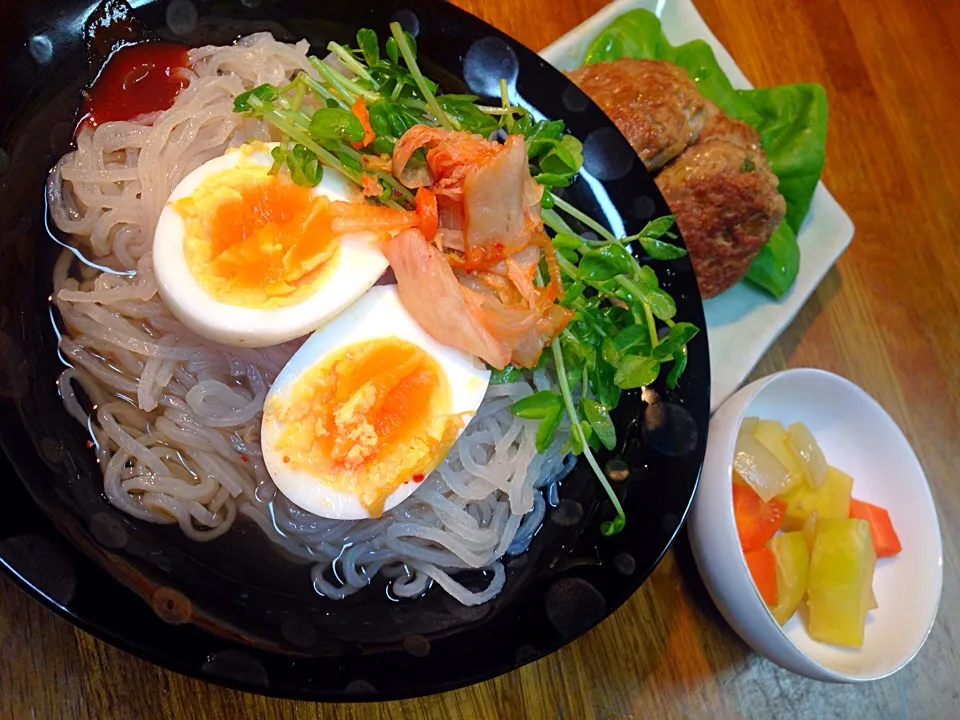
column 653, row 102
column 725, row 198
column 715, row 176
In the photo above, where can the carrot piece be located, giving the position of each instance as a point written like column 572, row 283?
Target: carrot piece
column 359, row 109
column 357, row 217
column 885, row 539
column 371, row 186
column 762, row 565
column 427, row 210
column 757, row 521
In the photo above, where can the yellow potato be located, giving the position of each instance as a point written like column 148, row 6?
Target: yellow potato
column 840, row 590
column 793, row 563
column 831, row 501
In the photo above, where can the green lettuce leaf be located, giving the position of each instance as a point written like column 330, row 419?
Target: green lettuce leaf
column 775, row 267
column 790, row 119
column 792, row 123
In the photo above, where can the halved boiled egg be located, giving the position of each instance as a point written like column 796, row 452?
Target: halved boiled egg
column 247, row 257
column 368, row 407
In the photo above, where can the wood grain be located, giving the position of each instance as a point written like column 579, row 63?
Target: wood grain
column 886, row 317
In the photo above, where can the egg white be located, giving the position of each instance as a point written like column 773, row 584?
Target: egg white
column 378, row 314
column 357, row 265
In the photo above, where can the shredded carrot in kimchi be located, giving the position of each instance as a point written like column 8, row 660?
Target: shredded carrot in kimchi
column 479, row 285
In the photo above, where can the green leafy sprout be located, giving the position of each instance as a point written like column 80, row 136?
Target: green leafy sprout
column 614, row 341
column 622, row 333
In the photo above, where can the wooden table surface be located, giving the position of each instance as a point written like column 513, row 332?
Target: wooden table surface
column 886, row 317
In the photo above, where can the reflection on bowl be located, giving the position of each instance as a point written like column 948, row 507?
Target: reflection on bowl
column 857, row 436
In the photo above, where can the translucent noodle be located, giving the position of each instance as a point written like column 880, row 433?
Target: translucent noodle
column 176, row 418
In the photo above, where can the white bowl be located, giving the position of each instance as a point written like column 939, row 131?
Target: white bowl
column 858, row 437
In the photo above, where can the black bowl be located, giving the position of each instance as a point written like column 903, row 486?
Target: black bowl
column 233, row 611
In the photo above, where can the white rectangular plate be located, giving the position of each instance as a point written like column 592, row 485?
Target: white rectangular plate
column 743, row 322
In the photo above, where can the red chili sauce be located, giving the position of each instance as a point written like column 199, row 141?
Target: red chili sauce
column 136, row 80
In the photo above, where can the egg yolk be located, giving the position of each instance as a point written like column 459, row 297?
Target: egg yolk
column 368, row 418
column 256, row 240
